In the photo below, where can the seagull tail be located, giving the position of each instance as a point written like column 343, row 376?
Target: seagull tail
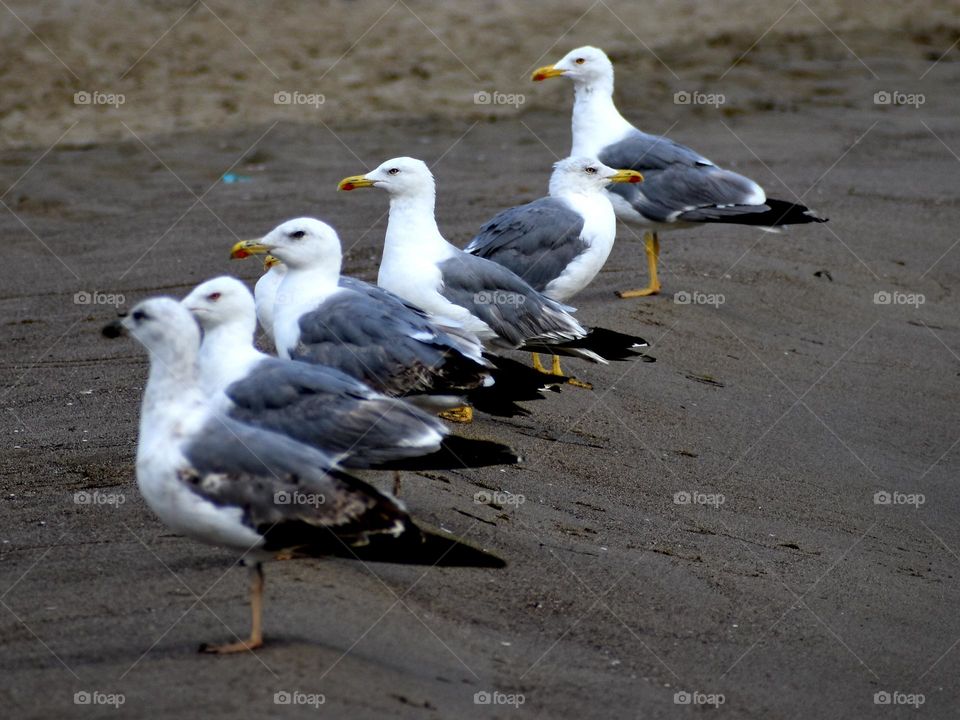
column 457, row 453
column 513, row 382
column 773, row 213
column 602, row 345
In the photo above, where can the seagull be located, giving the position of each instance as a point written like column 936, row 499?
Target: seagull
column 681, row 188
column 316, row 405
column 374, row 336
column 265, row 290
column 266, row 287
column 559, row 243
column 260, row 494
column 481, row 296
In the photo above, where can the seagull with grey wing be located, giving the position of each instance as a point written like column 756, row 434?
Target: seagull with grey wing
column 681, row 188
column 481, row 296
column 317, row 405
column 258, row 493
column 559, row 243
column 319, row 316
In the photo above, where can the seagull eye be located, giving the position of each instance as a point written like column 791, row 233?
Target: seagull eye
column 214, row 296
column 393, row 171
column 591, row 171
column 140, row 315
column 580, row 61
column 297, row 234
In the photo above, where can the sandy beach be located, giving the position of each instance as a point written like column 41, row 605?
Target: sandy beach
column 763, row 523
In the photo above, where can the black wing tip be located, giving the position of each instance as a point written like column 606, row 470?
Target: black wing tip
column 792, row 213
column 610, row 344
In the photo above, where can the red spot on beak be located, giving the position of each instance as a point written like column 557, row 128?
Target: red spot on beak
column 635, row 179
column 348, row 187
column 240, row 254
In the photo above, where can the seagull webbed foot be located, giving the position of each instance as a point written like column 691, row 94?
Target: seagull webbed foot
column 462, row 414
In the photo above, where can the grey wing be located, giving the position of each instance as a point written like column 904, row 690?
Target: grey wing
column 643, row 152
column 537, row 241
column 512, row 309
column 678, row 183
column 686, row 193
column 389, row 346
column 289, row 493
column 334, row 412
column 466, row 342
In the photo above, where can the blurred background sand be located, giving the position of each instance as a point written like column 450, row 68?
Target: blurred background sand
column 798, row 398
column 189, row 65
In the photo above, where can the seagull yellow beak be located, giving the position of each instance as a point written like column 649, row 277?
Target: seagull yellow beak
column 246, row 248
column 269, row 261
column 547, row 71
column 353, row 182
column 627, row 176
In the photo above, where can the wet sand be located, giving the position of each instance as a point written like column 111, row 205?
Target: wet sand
column 796, row 399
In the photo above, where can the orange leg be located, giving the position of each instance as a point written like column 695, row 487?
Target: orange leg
column 256, row 627
column 652, row 243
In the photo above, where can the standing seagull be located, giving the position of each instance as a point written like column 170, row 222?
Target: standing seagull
column 371, row 334
column 316, row 405
column 681, row 188
column 260, row 494
column 559, row 243
column 420, row 266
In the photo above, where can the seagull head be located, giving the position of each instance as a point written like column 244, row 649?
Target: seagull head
column 585, row 175
column 299, row 243
column 401, row 177
column 163, row 326
column 221, row 301
column 586, row 66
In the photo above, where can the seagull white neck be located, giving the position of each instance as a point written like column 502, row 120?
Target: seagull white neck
column 226, row 354
column 412, row 234
column 596, row 120
column 300, row 291
column 172, row 394
column 308, row 285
